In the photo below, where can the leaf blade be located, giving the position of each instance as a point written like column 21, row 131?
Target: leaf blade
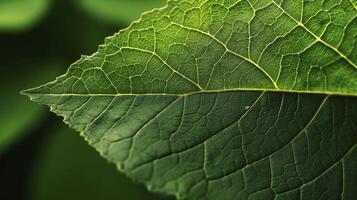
column 192, row 109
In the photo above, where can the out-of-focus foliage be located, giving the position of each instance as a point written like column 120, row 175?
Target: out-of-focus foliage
column 118, row 12
column 17, row 114
column 68, row 168
column 21, row 14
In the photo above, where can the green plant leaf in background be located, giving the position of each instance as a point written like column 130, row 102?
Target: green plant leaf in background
column 118, row 12
column 68, row 168
column 21, row 14
column 17, row 114
column 223, row 99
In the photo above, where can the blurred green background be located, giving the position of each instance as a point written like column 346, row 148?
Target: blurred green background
column 40, row 158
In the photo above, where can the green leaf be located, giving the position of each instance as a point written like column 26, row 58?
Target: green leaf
column 117, row 12
column 21, row 14
column 17, row 114
column 223, row 99
column 67, row 168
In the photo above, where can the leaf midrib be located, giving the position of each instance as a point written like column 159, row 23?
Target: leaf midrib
column 28, row 93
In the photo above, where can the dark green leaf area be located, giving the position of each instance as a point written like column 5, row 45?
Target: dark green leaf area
column 258, row 144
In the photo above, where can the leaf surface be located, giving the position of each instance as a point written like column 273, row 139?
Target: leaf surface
column 223, row 99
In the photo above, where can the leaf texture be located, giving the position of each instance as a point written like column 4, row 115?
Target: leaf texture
column 223, row 99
